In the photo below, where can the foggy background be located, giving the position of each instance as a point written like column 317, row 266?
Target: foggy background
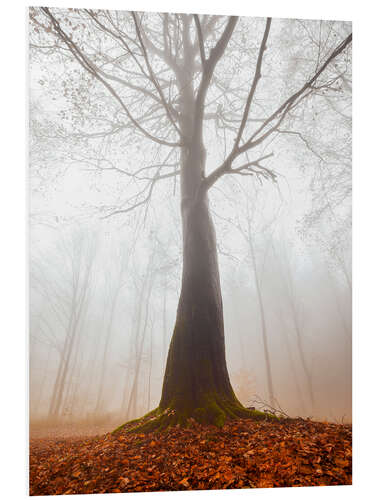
column 104, row 290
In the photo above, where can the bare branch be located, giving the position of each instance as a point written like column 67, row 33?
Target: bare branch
column 281, row 112
column 200, row 38
column 88, row 66
column 248, row 169
column 256, row 79
column 153, row 77
column 147, row 198
column 303, row 139
column 208, row 70
column 286, row 105
column 165, row 55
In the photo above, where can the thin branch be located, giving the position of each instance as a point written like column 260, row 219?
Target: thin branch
column 286, row 105
column 153, row 77
column 305, row 141
column 166, row 56
column 88, row 66
column 208, row 70
column 256, row 79
column 281, row 111
column 200, row 39
column 147, row 198
column 247, row 168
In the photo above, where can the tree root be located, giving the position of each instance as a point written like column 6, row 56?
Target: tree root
column 214, row 412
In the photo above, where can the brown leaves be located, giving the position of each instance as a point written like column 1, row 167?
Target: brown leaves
column 243, row 454
column 185, row 482
column 124, row 481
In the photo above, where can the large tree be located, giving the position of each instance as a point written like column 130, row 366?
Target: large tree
column 168, row 78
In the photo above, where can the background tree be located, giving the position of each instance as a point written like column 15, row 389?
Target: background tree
column 65, row 298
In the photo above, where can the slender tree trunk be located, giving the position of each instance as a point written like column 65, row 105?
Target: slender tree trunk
column 38, row 402
column 346, row 328
column 133, row 399
column 72, row 377
column 303, row 358
column 99, row 401
column 164, row 321
column 291, row 296
column 76, row 397
column 150, row 371
column 91, row 371
column 125, row 391
column 136, row 322
column 80, row 283
column 65, row 370
column 63, row 358
column 146, row 286
column 294, row 372
column 298, row 331
column 271, row 394
column 291, row 363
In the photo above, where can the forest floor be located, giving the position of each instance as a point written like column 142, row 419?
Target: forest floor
column 242, row 454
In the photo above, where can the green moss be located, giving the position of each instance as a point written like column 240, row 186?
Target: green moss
column 188, row 424
column 137, row 420
column 147, row 426
column 182, row 420
column 219, row 420
column 260, row 415
column 214, row 409
column 211, row 413
column 119, row 428
column 151, row 413
column 199, row 414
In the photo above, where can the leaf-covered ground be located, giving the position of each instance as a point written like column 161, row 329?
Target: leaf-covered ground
column 242, row 454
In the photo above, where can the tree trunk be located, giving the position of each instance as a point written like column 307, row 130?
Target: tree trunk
column 147, row 286
column 164, row 321
column 60, row 382
column 100, row 396
column 196, row 381
column 150, row 370
column 283, row 329
column 296, row 322
column 271, row 393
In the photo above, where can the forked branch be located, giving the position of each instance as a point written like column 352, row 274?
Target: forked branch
column 85, row 62
column 278, row 115
column 256, row 79
column 153, row 77
column 200, row 39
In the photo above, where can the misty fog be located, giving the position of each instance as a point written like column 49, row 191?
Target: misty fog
column 105, row 281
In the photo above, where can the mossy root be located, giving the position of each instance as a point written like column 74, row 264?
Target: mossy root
column 214, row 413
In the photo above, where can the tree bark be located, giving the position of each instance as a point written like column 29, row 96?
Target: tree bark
column 196, row 381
